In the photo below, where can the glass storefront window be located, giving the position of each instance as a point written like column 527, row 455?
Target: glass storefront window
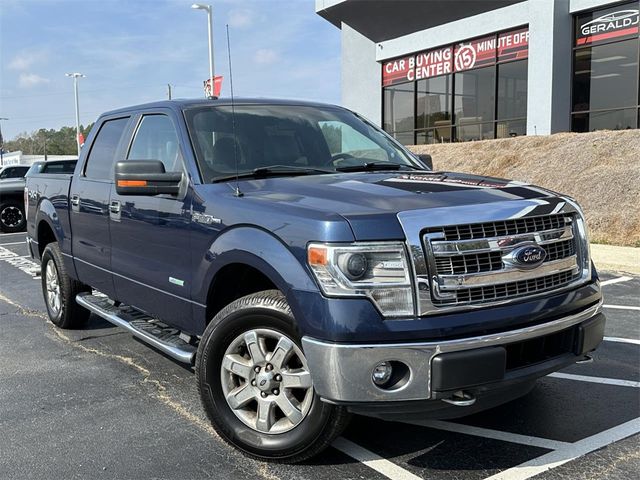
column 471, row 90
column 606, row 76
column 467, row 131
column 511, row 128
column 399, row 108
column 512, row 90
column 606, row 120
column 474, row 99
column 434, row 102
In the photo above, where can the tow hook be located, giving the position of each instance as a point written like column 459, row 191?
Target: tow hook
column 461, row 399
column 585, row 359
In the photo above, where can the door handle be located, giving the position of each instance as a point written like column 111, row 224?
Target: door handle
column 114, row 206
column 75, row 200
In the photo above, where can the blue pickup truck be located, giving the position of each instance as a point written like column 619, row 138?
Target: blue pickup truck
column 311, row 267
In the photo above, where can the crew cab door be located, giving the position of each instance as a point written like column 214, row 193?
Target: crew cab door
column 89, row 198
column 150, row 234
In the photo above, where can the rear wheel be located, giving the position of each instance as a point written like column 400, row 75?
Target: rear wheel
column 60, row 290
column 12, row 218
column 255, row 383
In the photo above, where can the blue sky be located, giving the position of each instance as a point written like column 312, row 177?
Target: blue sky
column 130, row 50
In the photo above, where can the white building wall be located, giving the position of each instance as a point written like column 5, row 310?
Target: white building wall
column 361, row 75
column 550, row 57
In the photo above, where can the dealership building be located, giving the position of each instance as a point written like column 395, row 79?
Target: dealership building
column 432, row 71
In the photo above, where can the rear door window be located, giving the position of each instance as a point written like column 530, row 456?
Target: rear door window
column 102, row 156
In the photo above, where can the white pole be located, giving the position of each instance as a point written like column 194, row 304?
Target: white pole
column 210, row 30
column 75, row 89
column 75, row 77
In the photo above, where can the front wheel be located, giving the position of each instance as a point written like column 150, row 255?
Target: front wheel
column 255, row 383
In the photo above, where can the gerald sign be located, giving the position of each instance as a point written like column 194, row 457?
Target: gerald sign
column 464, row 56
column 617, row 24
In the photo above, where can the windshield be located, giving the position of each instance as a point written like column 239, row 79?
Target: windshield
column 308, row 139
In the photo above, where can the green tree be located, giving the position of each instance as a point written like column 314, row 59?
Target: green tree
column 50, row 141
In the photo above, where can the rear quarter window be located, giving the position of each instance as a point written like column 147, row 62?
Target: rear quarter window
column 102, row 159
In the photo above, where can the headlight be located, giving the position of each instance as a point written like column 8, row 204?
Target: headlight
column 379, row 271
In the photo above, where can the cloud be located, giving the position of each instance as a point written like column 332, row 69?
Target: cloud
column 266, row 56
column 240, row 18
column 23, row 61
column 28, row 80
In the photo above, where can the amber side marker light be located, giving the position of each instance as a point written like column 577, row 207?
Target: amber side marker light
column 317, row 256
column 132, row 183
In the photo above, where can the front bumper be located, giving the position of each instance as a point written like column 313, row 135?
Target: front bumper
column 342, row 372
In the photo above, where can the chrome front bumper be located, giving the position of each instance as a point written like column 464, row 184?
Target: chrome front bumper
column 342, row 372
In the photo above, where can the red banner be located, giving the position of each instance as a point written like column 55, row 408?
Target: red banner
column 217, row 86
column 476, row 53
column 398, row 71
column 433, row 63
column 513, row 45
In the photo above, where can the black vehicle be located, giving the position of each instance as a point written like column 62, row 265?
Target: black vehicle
column 13, row 171
column 12, row 183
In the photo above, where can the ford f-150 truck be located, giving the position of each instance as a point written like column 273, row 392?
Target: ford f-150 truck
column 311, row 267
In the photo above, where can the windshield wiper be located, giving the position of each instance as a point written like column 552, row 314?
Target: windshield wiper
column 375, row 166
column 273, row 171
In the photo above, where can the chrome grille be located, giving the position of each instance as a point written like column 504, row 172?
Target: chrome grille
column 467, row 264
column 473, row 263
column 501, row 228
column 512, row 289
column 556, row 251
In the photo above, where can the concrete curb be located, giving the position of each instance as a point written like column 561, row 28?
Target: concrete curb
column 619, row 259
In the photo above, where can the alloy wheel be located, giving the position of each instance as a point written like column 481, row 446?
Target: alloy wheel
column 266, row 381
column 54, row 296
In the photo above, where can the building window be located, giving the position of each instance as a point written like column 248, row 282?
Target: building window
column 399, row 106
column 474, row 90
column 605, row 69
column 433, row 110
column 512, row 99
column 474, row 104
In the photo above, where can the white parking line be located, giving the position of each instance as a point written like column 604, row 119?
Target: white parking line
column 633, row 341
column 24, row 234
column 606, row 381
column 373, row 461
column 621, row 307
column 13, row 243
column 494, row 434
column 575, row 450
column 615, row 280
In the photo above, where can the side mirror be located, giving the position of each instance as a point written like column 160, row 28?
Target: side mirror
column 146, row 177
column 426, row 159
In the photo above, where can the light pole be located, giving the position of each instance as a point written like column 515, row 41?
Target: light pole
column 209, row 10
column 2, row 143
column 75, row 77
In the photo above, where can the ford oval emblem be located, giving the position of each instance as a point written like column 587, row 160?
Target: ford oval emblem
column 526, row 256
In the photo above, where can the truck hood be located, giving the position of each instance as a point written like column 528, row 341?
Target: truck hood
column 371, row 201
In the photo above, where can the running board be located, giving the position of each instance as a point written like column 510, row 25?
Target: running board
column 140, row 325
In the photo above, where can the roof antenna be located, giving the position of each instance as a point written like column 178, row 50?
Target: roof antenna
column 236, row 191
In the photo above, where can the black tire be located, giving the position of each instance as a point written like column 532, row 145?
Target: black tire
column 321, row 425
column 69, row 314
column 12, row 217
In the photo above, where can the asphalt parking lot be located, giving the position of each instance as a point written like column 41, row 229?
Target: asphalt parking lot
column 96, row 403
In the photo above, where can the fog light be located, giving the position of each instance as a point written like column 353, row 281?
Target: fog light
column 382, row 373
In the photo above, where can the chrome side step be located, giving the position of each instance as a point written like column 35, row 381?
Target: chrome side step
column 140, row 325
